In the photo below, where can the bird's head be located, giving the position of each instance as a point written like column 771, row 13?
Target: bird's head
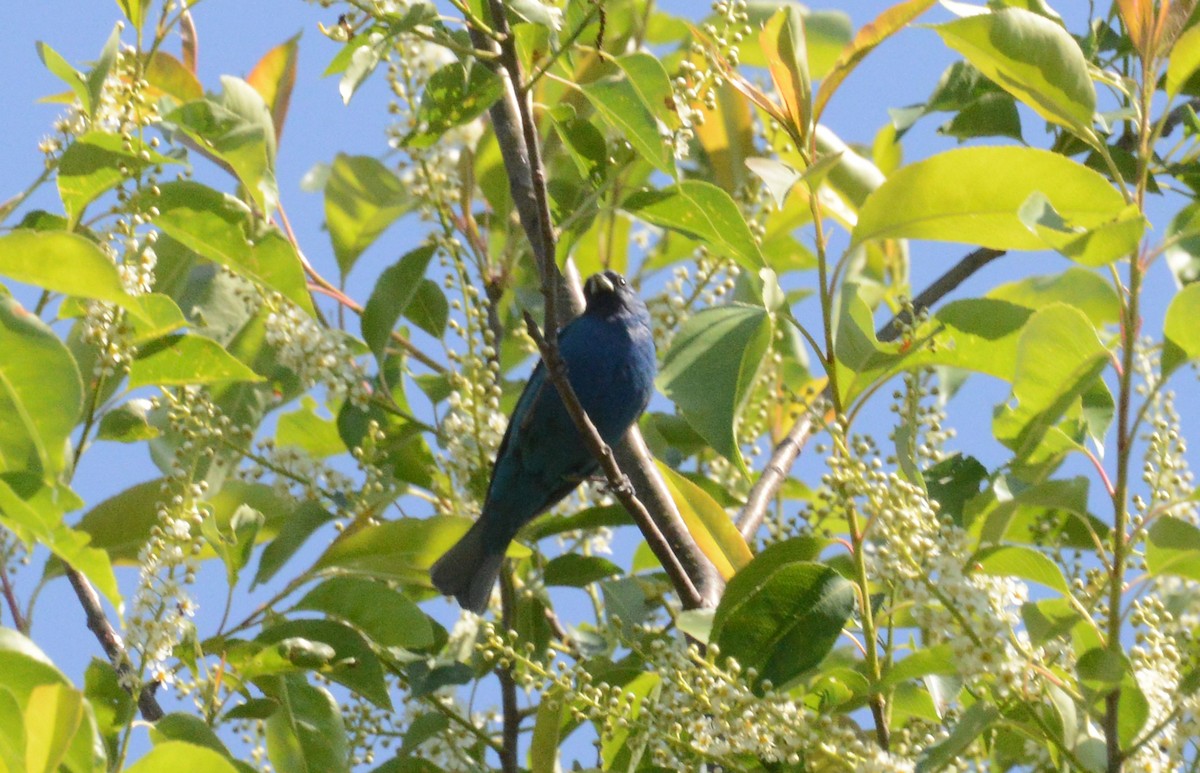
column 608, row 292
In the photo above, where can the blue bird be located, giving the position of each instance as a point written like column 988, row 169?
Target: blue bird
column 610, row 359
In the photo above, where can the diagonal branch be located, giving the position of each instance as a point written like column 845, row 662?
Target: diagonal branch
column 694, row 577
column 110, row 640
column 779, row 466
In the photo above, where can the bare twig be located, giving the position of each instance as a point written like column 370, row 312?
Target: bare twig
column 779, row 466
column 110, row 640
column 10, row 598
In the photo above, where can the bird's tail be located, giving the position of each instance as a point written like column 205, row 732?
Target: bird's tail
column 468, row 571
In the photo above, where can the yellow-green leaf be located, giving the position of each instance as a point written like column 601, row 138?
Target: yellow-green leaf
column 709, row 524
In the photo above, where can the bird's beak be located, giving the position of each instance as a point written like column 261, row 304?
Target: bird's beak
column 600, row 283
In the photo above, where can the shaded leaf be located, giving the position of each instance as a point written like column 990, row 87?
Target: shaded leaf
column 710, row 367
column 782, row 614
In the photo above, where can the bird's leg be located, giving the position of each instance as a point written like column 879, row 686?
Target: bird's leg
column 623, row 487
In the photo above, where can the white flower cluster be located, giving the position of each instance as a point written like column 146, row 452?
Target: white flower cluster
column 700, row 709
column 923, row 556
column 162, row 607
column 314, row 353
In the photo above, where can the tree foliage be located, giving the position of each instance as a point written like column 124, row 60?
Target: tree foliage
column 910, row 608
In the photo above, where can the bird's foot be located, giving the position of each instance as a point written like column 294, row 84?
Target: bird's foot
column 623, row 486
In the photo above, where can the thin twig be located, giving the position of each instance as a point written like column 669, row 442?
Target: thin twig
column 10, row 597
column 110, row 640
column 780, row 464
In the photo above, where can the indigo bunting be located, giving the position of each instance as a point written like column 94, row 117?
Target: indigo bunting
column 610, row 359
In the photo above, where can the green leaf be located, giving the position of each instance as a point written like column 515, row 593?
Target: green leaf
column 127, row 423
column 395, row 289
column 861, row 357
column 111, row 704
column 1091, row 247
column 952, row 482
column 1085, row 290
column 61, row 68
column 547, row 732
column 40, row 520
column 454, row 95
column 179, row 755
column 576, row 571
column 702, row 211
column 1059, row 357
column 1032, row 58
column 54, row 713
column 362, row 198
column 973, row 722
column 134, row 10
column 233, row 542
column 308, row 734
column 236, row 129
column 1184, row 61
column 929, row 199
column 304, row 429
column 429, row 309
column 708, row 523
column 383, row 614
column 980, row 334
column 1181, row 334
column 182, row 360
column 1024, row 563
column 41, row 394
column 64, row 263
column 710, row 367
column 400, row 550
column 188, row 728
column 216, row 227
column 1183, row 245
column 97, row 161
column 355, row 666
column 293, row 533
column 1173, row 548
column 618, row 100
column 782, row 614
column 622, row 749
column 120, row 524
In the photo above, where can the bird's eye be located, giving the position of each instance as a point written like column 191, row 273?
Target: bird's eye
column 621, row 280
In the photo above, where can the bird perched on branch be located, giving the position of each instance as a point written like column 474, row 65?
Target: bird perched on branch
column 610, row 362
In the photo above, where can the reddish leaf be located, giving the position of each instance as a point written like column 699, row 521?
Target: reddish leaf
column 274, row 77
column 189, row 41
column 885, row 25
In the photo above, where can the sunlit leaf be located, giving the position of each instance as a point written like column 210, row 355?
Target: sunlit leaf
column 1181, row 334
column 708, row 523
column 700, row 211
column 1031, row 57
column 931, row 200
column 362, row 198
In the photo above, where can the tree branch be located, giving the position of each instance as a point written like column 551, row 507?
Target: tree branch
column 510, row 710
column 779, row 466
column 110, row 640
column 516, row 135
